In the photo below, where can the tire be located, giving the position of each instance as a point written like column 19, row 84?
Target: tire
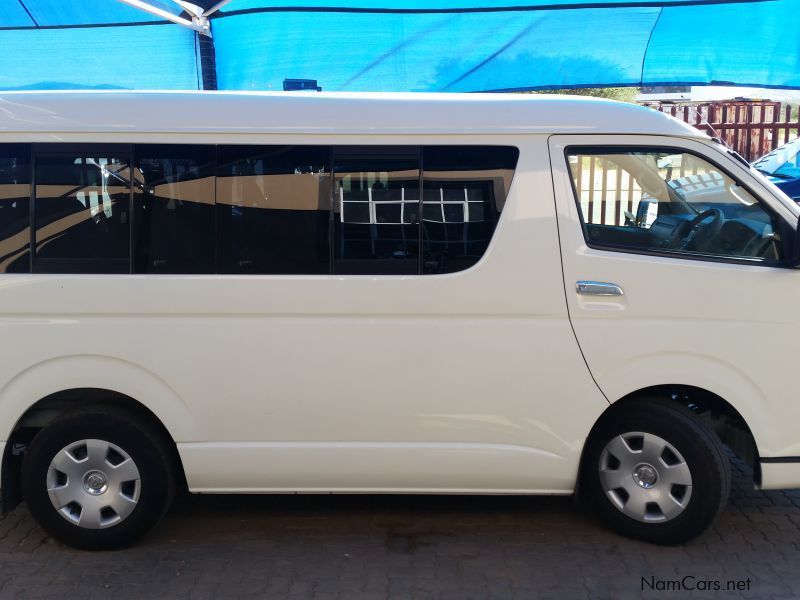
column 108, row 469
column 619, row 479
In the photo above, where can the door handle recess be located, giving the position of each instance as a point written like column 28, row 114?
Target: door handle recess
column 598, row 288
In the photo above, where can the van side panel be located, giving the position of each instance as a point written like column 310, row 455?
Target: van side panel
column 471, row 381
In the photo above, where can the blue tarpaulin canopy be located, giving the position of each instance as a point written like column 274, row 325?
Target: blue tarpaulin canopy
column 52, row 44
column 395, row 45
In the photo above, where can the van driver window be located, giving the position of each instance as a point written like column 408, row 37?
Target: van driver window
column 662, row 200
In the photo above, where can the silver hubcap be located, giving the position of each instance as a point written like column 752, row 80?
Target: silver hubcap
column 645, row 477
column 93, row 484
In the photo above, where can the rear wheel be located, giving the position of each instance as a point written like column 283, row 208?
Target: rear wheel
column 655, row 472
column 98, row 478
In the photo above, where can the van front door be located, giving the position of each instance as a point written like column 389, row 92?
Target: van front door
column 675, row 275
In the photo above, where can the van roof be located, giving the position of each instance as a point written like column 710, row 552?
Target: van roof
column 325, row 113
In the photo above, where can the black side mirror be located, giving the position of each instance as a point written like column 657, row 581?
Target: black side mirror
column 630, row 219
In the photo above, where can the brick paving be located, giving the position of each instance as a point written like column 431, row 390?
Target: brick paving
column 352, row 547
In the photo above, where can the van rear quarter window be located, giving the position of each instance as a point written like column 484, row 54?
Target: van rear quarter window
column 464, row 192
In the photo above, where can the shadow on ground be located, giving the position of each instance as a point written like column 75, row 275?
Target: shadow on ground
column 456, row 547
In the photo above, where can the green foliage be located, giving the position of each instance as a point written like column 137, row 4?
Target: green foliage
column 623, row 94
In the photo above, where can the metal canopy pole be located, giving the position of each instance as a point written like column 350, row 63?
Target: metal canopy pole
column 200, row 25
column 208, row 62
column 153, row 10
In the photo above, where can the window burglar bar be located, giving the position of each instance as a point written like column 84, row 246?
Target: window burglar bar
column 441, row 203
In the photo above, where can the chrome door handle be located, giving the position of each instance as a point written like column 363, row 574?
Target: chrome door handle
column 598, row 288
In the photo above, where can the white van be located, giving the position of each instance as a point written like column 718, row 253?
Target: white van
column 386, row 293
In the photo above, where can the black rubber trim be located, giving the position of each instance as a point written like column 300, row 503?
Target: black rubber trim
column 779, row 459
column 377, row 10
column 481, row 9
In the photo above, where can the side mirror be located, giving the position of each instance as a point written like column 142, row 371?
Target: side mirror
column 647, row 212
column 630, row 219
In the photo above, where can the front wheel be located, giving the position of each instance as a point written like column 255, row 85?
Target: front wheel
column 655, row 472
column 98, row 478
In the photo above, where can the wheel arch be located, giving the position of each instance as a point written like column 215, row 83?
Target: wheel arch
column 723, row 418
column 44, row 391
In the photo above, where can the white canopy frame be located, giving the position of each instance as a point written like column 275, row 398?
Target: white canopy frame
column 198, row 22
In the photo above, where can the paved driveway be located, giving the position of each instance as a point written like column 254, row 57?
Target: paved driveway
column 353, row 547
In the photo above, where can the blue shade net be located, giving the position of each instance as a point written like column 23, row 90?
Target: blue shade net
column 69, row 13
column 413, row 45
column 102, row 44
column 755, row 43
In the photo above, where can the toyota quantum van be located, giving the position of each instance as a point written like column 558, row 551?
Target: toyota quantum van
column 386, row 293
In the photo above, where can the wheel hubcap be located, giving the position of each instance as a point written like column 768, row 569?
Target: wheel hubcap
column 93, row 484
column 645, row 477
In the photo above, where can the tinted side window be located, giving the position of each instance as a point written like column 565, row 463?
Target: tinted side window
column 665, row 200
column 15, row 190
column 464, row 190
column 82, row 212
column 376, row 210
column 173, row 209
column 252, row 209
column 273, row 209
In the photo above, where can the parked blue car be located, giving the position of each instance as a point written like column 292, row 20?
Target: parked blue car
column 782, row 167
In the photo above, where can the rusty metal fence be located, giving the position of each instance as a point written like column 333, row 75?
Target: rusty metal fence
column 751, row 127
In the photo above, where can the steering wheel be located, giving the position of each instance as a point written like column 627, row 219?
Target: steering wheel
column 697, row 233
